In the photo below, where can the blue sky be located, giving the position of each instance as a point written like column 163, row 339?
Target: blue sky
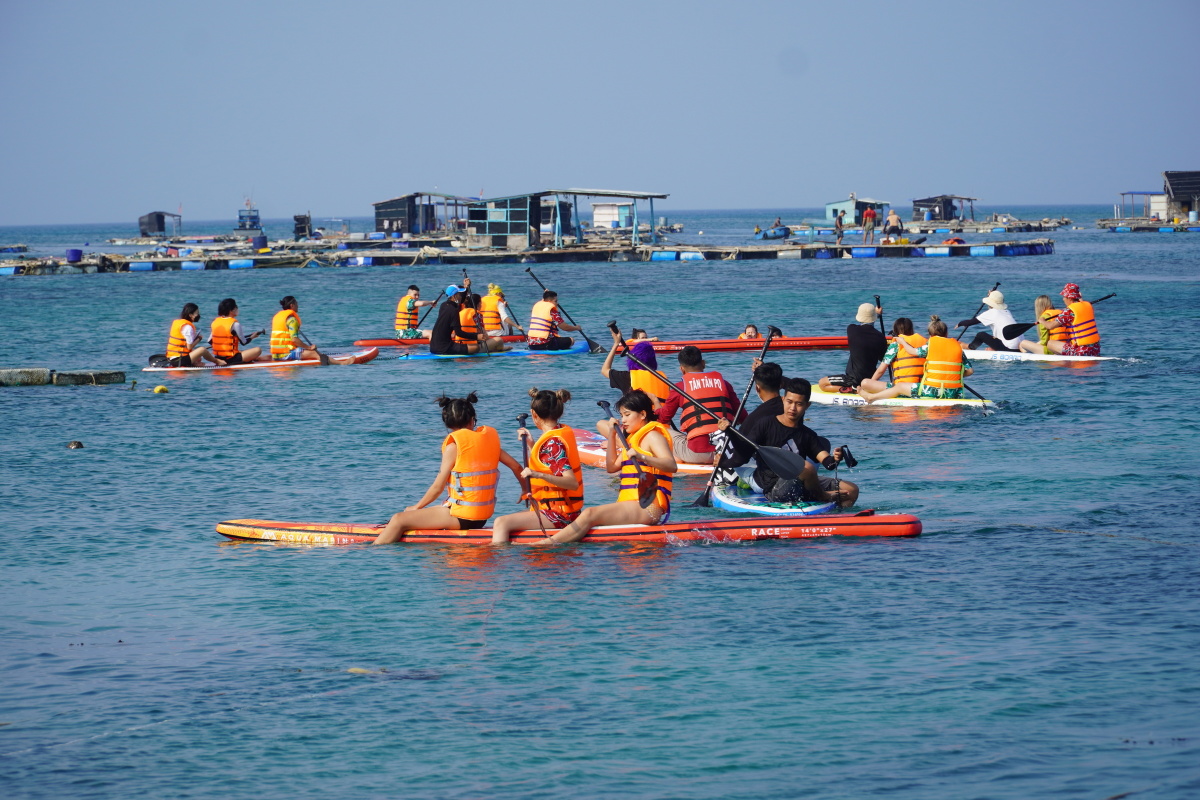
column 113, row 109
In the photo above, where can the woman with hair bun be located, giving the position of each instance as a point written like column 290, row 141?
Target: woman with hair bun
column 471, row 457
column 647, row 470
column 185, row 347
column 945, row 367
column 554, row 475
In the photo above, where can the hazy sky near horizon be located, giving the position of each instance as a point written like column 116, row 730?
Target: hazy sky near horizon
column 114, row 109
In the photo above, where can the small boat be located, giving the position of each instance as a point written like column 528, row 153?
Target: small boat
column 592, row 447
column 578, row 347
column 1001, row 355
column 818, row 526
column 780, row 232
column 731, row 497
column 340, row 357
column 778, row 343
column 838, row 399
column 414, row 342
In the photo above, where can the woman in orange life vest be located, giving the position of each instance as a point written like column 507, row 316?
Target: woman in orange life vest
column 1079, row 321
column 471, row 457
column 653, row 383
column 226, row 336
column 286, row 344
column 907, row 369
column 471, row 323
column 946, row 364
column 496, row 314
column 751, row 332
column 183, row 342
column 639, row 335
column 650, row 445
column 1044, row 310
column 555, row 478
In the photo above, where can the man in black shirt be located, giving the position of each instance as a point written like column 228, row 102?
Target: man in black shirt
column 867, row 346
column 787, row 430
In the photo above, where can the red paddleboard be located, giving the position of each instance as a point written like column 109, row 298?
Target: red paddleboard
column 592, row 447
column 746, row 528
column 778, row 343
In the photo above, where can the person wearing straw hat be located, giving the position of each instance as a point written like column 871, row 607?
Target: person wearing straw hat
column 997, row 316
column 867, row 346
column 1079, row 319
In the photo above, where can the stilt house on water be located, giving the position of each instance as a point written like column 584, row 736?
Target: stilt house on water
column 155, row 223
column 1183, row 195
column 854, row 208
column 540, row 219
column 943, row 207
column 421, row 213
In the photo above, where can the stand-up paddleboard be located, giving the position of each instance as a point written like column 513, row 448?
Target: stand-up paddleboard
column 578, row 347
column 731, row 497
column 1000, row 355
column 592, row 447
column 415, row 342
column 838, row 399
column 335, row 357
column 818, row 526
column 778, row 343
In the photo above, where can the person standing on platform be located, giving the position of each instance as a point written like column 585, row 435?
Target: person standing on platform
column 893, row 226
column 839, row 225
column 868, row 222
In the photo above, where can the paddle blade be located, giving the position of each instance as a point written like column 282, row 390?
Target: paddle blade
column 647, row 489
column 702, row 501
column 784, row 463
column 159, row 360
column 1013, row 331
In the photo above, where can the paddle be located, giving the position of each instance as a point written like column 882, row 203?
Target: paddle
column 702, row 500
column 645, row 495
column 785, row 464
column 323, row 358
column 1013, row 331
column 431, row 308
column 976, row 314
column 480, row 333
column 883, row 330
column 595, row 348
column 537, row 507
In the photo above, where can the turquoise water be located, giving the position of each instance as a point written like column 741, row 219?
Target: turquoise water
column 1039, row 640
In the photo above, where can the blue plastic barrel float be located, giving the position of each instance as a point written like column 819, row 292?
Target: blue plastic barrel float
column 936, row 251
column 191, row 265
column 983, row 250
column 141, row 266
column 74, row 256
column 864, row 252
column 258, row 242
column 241, row 263
column 664, row 255
column 691, row 255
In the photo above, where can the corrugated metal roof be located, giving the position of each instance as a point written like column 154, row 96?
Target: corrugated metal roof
column 428, row 194
column 1182, row 184
column 611, row 193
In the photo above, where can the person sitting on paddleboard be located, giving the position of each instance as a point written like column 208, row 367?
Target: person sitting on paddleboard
column 639, row 335
column 998, row 317
column 1079, row 320
column 554, row 475
column 545, row 323
column 751, row 332
column 945, row 366
column 286, row 344
column 787, row 430
column 184, row 348
column 471, row 330
column 653, row 383
column 496, row 313
column 695, row 444
column 650, row 447
column 406, row 314
column 1044, row 310
column 867, row 346
column 226, row 336
column 448, row 336
column 471, row 457
column 907, row 368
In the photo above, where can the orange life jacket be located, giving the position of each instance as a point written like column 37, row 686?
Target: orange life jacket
column 489, row 307
column 475, row 473
column 629, row 475
column 943, row 364
column 541, row 323
column 282, row 341
column 654, row 384
column 176, row 344
column 954, row 240
column 1059, row 334
column 907, row 367
column 405, row 317
column 744, row 335
column 564, row 502
column 709, row 389
column 466, row 321
column 1083, row 331
column 224, row 340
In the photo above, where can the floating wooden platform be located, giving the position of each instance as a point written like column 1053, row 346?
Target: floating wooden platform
column 1147, row 225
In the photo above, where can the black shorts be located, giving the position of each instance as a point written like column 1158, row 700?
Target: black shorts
column 553, row 343
column 470, row 524
column 236, row 358
column 180, row 361
column 451, row 349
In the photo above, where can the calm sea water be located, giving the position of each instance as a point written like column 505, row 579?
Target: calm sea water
column 1039, row 640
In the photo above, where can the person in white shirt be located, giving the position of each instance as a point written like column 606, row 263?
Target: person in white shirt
column 996, row 316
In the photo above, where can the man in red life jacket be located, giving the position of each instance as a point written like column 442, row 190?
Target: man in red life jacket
column 695, row 445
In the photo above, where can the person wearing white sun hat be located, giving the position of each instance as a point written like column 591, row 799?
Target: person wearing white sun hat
column 996, row 317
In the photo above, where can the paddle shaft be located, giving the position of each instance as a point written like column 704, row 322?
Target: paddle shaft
column 616, row 423
column 883, row 330
column 431, row 308
column 586, row 338
column 537, row 507
column 480, row 334
column 976, row 314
